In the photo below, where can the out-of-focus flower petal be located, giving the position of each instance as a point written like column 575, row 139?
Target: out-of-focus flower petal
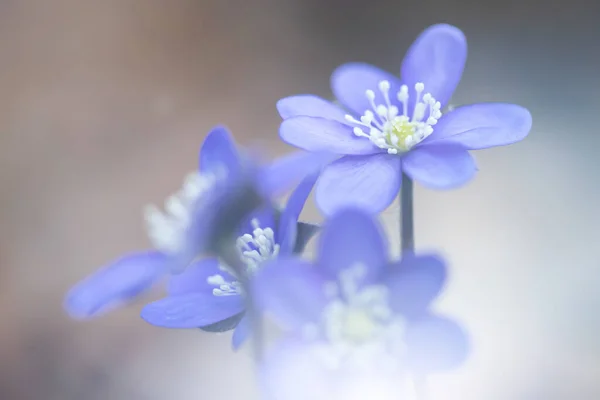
column 192, row 310
column 287, row 171
column 319, row 134
column 435, row 344
column 350, row 82
column 311, row 106
column 288, row 220
column 241, row 332
column 352, row 237
column 291, row 290
column 479, row 126
column 119, row 282
column 414, row 282
column 444, row 166
column 219, row 150
column 437, row 59
column 195, row 278
column 367, row 182
column 265, row 216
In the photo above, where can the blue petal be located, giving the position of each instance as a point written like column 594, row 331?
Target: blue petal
column 437, row 59
column 291, row 290
column 319, row 134
column 414, row 282
column 195, row 278
column 311, row 106
column 241, row 333
column 219, row 150
column 479, row 126
column 436, row 344
column 192, row 310
column 288, row 221
column 286, row 172
column 350, row 82
column 444, row 166
column 369, row 182
column 352, row 237
column 114, row 284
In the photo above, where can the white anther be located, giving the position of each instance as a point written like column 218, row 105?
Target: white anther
column 167, row 229
column 394, row 132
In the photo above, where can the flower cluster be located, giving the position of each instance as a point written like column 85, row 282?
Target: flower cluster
column 354, row 323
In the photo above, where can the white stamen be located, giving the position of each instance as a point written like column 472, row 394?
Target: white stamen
column 396, row 133
column 254, row 249
column 167, row 229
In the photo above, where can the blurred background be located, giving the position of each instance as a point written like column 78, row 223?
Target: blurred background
column 103, row 106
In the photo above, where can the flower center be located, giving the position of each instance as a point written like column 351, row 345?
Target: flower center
column 167, row 229
column 359, row 316
column 397, row 132
column 254, row 249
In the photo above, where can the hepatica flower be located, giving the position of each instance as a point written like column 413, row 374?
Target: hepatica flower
column 210, row 294
column 391, row 125
column 354, row 314
column 208, row 209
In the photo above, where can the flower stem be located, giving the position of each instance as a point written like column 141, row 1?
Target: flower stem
column 407, row 226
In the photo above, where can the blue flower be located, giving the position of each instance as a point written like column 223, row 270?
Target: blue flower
column 354, row 306
column 209, row 294
column 396, row 126
column 207, row 211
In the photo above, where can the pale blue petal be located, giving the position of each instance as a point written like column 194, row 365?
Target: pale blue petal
column 414, row 282
column 368, row 182
column 291, row 290
column 195, row 278
column 352, row 237
column 350, row 82
column 437, row 59
column 319, row 134
column 119, row 282
column 311, row 106
column 219, row 150
column 192, row 310
column 288, row 220
column 479, row 126
column 435, row 344
column 241, row 333
column 444, row 166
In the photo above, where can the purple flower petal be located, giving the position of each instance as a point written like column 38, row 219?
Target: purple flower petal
column 352, row 237
column 437, row 59
column 435, row 344
column 414, row 282
column 192, row 310
column 368, row 182
column 195, row 278
column 350, row 82
column 288, row 221
column 287, row 171
column 291, row 290
column 319, row 134
column 444, row 166
column 219, row 150
column 241, row 333
column 479, row 126
column 114, row 284
column 310, row 106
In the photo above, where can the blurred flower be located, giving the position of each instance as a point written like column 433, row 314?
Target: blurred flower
column 210, row 294
column 354, row 311
column 397, row 126
column 203, row 216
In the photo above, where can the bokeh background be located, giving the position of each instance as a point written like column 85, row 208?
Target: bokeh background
column 103, row 105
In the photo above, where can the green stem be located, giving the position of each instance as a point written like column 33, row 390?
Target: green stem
column 407, row 226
